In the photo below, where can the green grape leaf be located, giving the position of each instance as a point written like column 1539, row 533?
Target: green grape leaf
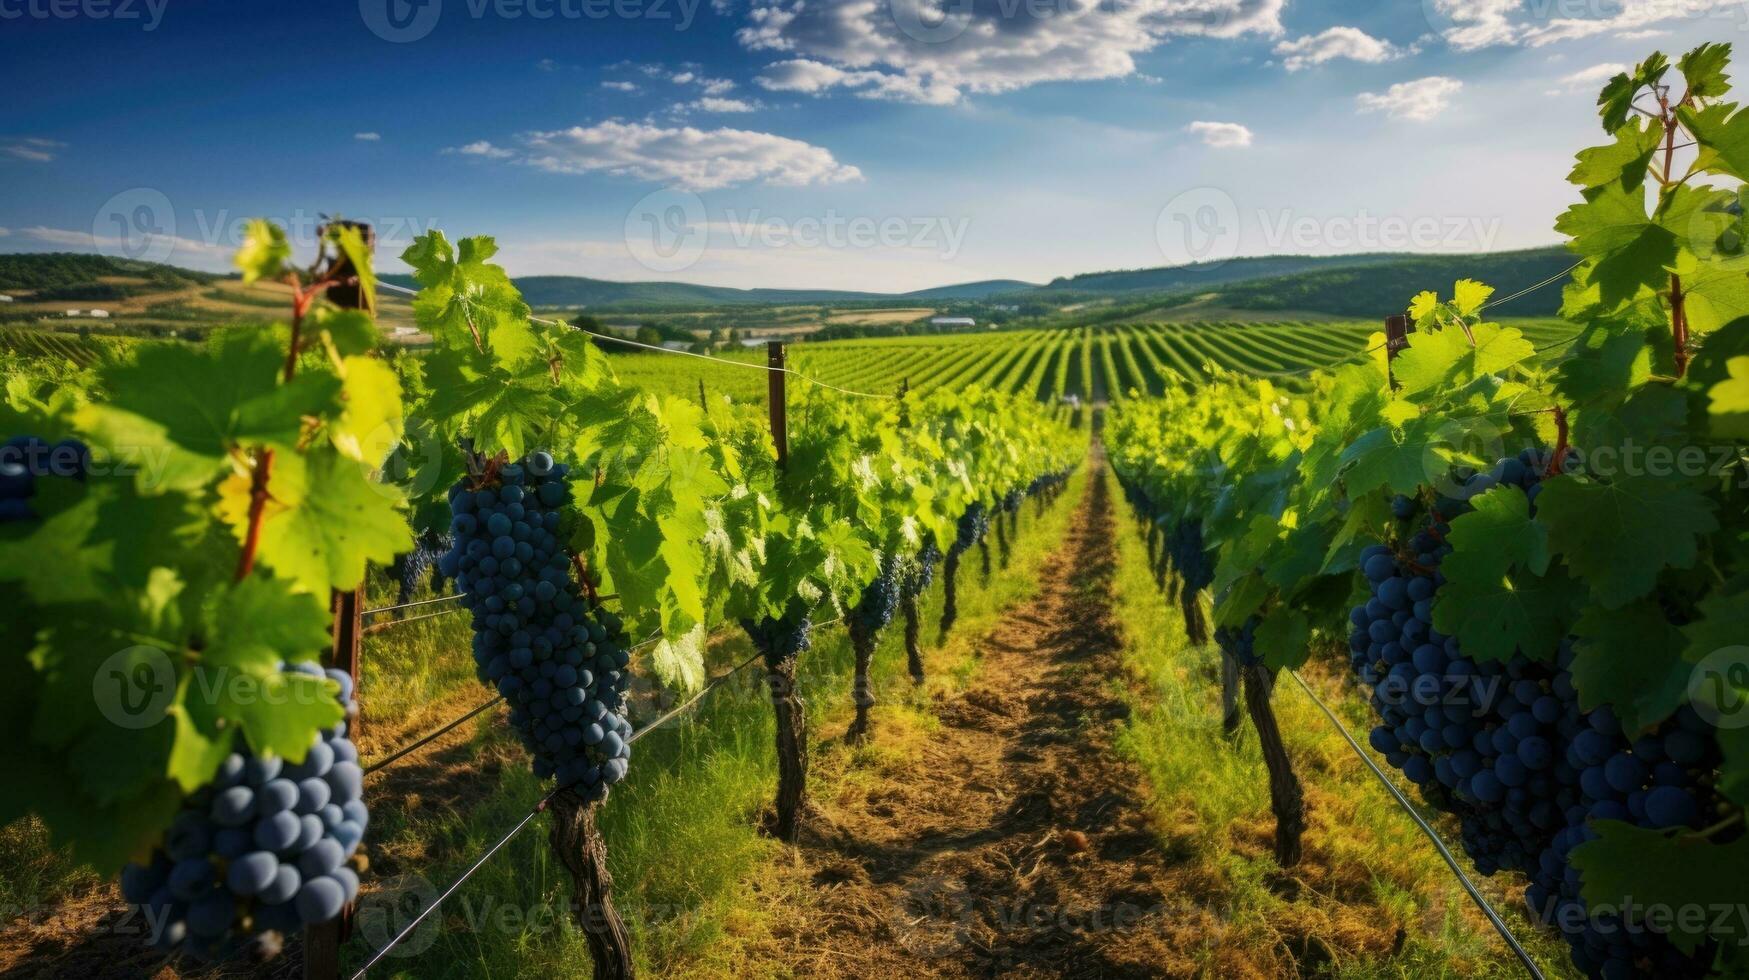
column 1627, row 867
column 264, row 251
column 679, row 662
column 1623, row 163
column 1715, row 292
column 1616, row 101
column 351, row 332
column 1469, row 296
column 1240, row 602
column 1728, row 401
column 183, row 411
column 1399, row 460
column 1446, row 359
column 1511, row 613
column 1283, row 638
column 1628, row 249
column 1617, row 537
column 369, row 427
column 1704, row 70
column 1498, row 535
column 324, row 520
column 1722, row 133
column 1630, row 658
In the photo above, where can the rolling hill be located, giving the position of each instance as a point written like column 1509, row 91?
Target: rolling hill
column 1363, row 285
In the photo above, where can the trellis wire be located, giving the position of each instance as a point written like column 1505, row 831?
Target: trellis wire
column 1445, row 853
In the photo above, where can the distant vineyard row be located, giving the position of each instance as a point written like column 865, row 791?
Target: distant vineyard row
column 1090, row 363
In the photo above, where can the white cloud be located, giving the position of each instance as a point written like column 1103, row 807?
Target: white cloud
column 934, row 51
column 1591, row 78
column 182, row 249
column 682, row 78
column 1222, row 135
column 717, row 86
column 1336, row 42
column 713, row 104
column 546, row 64
column 1419, row 101
column 1488, row 23
column 815, row 78
column 4, row 232
column 685, row 157
column 481, row 148
column 33, row 148
column 621, row 86
column 367, row 137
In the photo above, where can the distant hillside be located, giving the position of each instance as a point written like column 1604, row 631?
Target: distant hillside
column 1201, row 275
column 1386, row 287
column 973, row 290
column 1342, row 285
column 72, row 275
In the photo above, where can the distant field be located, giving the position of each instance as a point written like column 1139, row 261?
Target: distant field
column 1089, row 363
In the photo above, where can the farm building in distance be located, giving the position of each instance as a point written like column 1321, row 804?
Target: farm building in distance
column 953, row 321
column 4, row 298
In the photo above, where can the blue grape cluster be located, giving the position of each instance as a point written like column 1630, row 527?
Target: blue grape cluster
column 1184, row 546
column 1011, row 501
column 421, row 565
column 973, row 524
column 262, row 849
column 879, row 600
column 781, row 639
column 559, row 662
column 1241, row 643
column 1660, row 780
column 919, row 573
column 1478, row 737
column 1507, row 748
column 27, row 460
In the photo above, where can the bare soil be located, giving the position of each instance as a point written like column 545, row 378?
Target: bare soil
column 1016, row 842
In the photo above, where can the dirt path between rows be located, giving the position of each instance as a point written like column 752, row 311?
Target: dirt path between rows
column 1016, row 845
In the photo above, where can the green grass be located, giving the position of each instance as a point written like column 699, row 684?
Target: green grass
column 695, row 882
column 1368, row 871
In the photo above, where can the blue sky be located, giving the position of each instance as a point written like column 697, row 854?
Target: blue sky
column 872, row 144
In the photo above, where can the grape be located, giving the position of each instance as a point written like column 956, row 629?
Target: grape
column 1240, row 644
column 252, row 872
column 28, row 465
column 556, row 658
column 1506, row 747
column 234, row 853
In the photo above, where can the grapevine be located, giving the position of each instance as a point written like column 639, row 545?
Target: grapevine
column 1546, row 634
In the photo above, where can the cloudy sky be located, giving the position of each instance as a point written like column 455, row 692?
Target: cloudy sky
column 871, row 144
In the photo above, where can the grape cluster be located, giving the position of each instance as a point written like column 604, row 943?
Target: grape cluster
column 1011, row 501
column 781, row 639
column 262, row 849
column 1185, row 548
column 920, row 571
column 416, row 567
column 1241, row 643
column 1507, row 748
column 974, row 523
column 25, row 460
column 879, row 600
column 1659, row 780
column 558, row 661
column 1479, row 737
